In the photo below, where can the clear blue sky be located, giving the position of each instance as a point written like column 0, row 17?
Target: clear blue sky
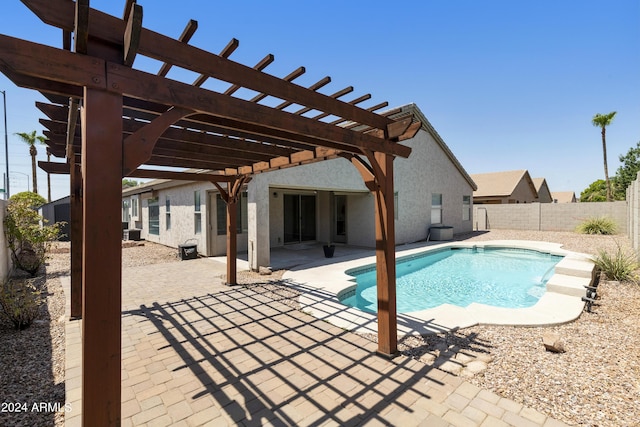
column 508, row 85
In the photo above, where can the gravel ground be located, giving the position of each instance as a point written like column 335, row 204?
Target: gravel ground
column 596, row 382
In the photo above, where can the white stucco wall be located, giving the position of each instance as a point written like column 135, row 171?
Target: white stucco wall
column 428, row 170
column 182, row 216
column 266, row 211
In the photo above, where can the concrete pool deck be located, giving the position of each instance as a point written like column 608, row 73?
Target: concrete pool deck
column 321, row 283
column 196, row 352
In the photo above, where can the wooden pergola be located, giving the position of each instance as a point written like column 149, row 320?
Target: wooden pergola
column 110, row 120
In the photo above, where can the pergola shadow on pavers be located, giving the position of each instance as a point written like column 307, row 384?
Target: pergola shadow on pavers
column 240, row 356
column 110, row 120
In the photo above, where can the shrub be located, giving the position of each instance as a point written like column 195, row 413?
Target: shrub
column 598, row 225
column 27, row 239
column 20, row 300
column 619, row 266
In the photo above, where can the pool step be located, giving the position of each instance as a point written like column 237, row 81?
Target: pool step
column 568, row 285
column 578, row 267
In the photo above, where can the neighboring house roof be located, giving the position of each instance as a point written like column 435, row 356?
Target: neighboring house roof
column 564, row 196
column 538, row 182
column 404, row 110
column 543, row 189
column 500, row 184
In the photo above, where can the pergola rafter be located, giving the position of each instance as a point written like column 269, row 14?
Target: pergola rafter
column 111, row 120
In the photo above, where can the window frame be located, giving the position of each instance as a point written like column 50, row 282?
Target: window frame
column 436, row 208
column 197, row 212
column 466, row 208
column 153, row 206
column 167, row 213
column 135, row 208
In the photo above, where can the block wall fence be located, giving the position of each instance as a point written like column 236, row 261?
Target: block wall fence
column 525, row 216
column 548, row 216
column 633, row 216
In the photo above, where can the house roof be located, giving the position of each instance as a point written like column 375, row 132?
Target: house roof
column 500, row 184
column 538, row 182
column 564, row 196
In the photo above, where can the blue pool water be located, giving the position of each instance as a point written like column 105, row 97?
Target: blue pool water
column 500, row 277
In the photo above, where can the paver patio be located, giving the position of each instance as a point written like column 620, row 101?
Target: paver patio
column 197, row 352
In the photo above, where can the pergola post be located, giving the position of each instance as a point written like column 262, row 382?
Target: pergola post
column 232, row 240
column 102, row 252
column 378, row 177
column 231, row 197
column 75, row 231
column 386, row 257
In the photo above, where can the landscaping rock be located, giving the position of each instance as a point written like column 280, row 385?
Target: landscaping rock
column 264, row 271
column 473, row 368
column 553, row 343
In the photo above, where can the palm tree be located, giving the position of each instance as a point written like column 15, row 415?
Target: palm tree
column 31, row 139
column 602, row 121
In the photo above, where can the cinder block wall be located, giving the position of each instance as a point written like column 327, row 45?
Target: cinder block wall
column 633, row 213
column 549, row 216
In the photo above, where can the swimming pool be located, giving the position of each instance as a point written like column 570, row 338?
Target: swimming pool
column 497, row 276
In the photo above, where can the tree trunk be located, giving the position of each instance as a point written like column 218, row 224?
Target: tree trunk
column 34, row 153
column 606, row 168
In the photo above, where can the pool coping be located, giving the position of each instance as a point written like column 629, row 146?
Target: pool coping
column 320, row 283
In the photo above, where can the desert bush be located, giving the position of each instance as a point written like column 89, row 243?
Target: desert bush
column 20, row 300
column 28, row 236
column 598, row 225
column 618, row 266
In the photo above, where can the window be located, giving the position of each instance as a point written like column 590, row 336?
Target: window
column 134, row 207
column 436, row 208
column 154, row 216
column 197, row 213
column 241, row 218
column 125, row 211
column 167, row 204
column 466, row 208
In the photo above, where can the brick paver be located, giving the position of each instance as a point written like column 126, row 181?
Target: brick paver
column 197, row 352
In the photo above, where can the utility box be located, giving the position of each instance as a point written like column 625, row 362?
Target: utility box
column 132, row 234
column 441, row 232
column 188, row 251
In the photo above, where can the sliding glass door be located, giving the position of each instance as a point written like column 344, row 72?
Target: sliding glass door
column 299, row 218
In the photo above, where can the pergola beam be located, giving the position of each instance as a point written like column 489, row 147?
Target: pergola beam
column 132, row 34
column 227, row 135
column 157, row 46
column 65, row 169
column 186, row 35
column 53, row 64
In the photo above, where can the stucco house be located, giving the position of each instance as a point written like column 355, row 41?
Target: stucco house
column 58, row 211
column 504, row 187
column 318, row 202
column 544, row 194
